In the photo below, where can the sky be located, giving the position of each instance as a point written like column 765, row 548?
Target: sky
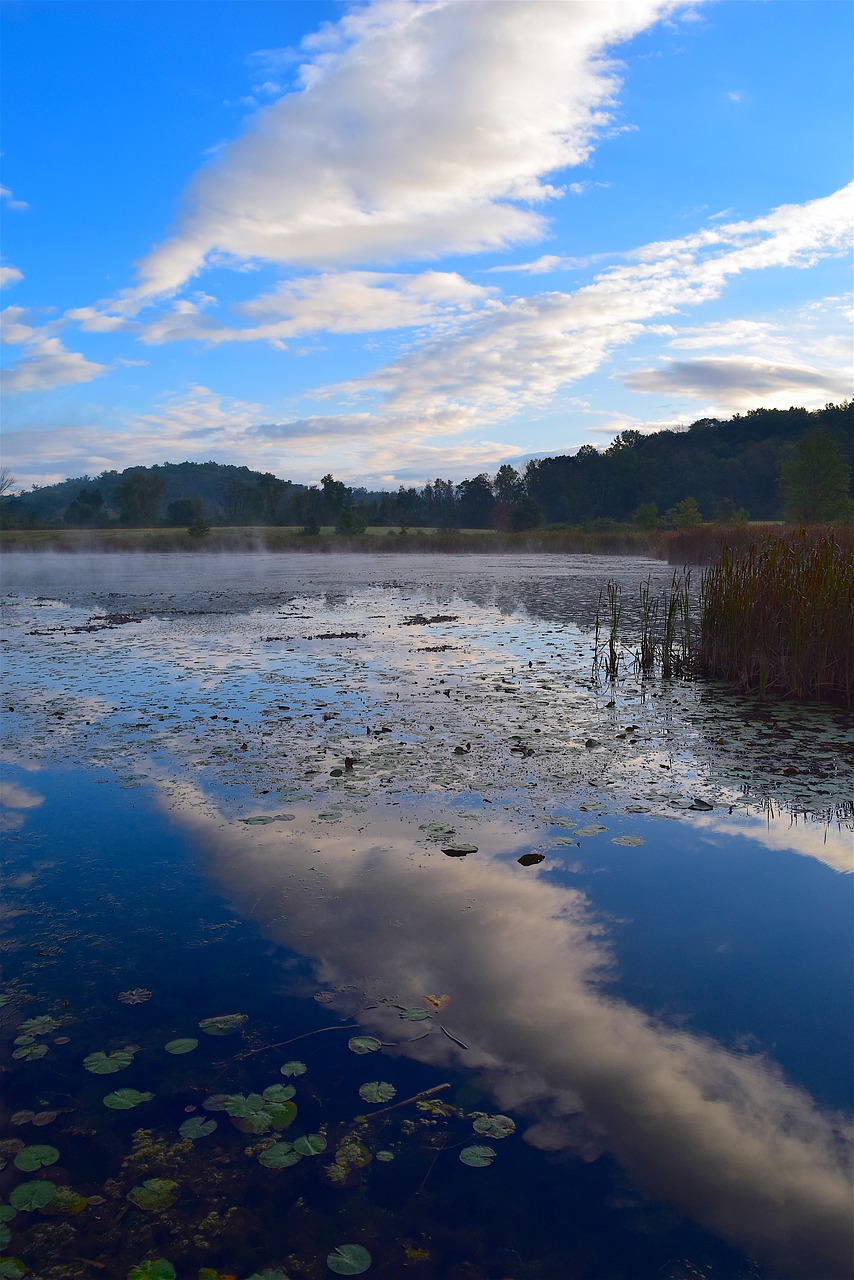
column 404, row 239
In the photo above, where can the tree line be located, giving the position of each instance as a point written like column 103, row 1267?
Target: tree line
column 767, row 464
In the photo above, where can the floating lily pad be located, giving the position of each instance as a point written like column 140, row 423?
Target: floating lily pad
column 628, row 840
column 282, row 1114
column 377, row 1091
column 30, row 1052
column 136, row 995
column 157, row 1269
column 364, row 1044
column 11, row 1268
column 269, row 1273
column 32, row 1195
column 385, row 1156
column 5, row 1235
column 41, row 1118
column 477, row 1157
column 104, row 1064
column 293, row 1068
column 186, row 1044
column 310, row 1144
column 348, row 1260
column 154, row 1194
column 39, row 1026
column 126, row 1099
column 7, row 1213
column 216, row 1102
column 531, row 859
column 197, row 1127
column 494, row 1126
column 21, row 1117
column 279, row 1092
column 36, row 1157
column 414, row 1014
column 280, row 1156
column 241, row 1105
column 223, row 1025
column 353, row 1154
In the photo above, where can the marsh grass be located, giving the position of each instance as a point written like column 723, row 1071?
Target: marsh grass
column 778, row 617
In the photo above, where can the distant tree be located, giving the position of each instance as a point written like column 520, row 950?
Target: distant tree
column 508, row 484
column 271, row 491
column 726, row 512
column 475, row 501
column 526, row 514
column 683, row 514
column 307, row 507
column 86, row 509
column 183, row 511
column 646, row 516
column 200, row 525
column 815, row 478
column 7, row 481
column 138, row 496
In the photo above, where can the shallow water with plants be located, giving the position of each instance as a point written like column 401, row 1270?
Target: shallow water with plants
column 353, row 924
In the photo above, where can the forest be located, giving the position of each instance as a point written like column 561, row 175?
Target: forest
column 767, row 464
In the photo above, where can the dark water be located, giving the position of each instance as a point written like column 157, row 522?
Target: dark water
column 661, row 1007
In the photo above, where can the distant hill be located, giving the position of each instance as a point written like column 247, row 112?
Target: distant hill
column 730, row 468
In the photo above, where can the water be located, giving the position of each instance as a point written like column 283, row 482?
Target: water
column 661, row 1006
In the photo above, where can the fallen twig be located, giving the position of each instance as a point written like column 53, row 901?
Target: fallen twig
column 455, row 1039
column 416, row 1097
column 281, row 1043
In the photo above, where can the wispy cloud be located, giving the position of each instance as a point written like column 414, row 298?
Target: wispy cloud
column 9, row 200
column 738, row 383
column 9, row 276
column 46, row 363
column 416, row 129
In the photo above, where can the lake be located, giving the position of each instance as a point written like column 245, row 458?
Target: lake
column 353, row 924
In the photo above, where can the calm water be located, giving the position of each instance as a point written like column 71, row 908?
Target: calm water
column 228, row 786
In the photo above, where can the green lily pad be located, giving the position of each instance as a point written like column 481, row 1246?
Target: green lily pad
column 154, row 1194
column 67, row 1200
column 35, row 1157
column 385, row 1156
column 477, row 1157
column 269, row 1273
column 377, row 1091
column 225, row 1024
column 348, row 1260
column 293, row 1069
column 39, row 1026
column 11, row 1268
column 104, row 1064
column 241, row 1105
column 32, row 1195
column 414, row 1013
column 7, row 1213
column 197, row 1127
column 282, row 1114
column 157, row 1269
column 280, row 1156
column 216, row 1102
column 279, row 1092
column 5, row 1235
column 494, row 1126
column 364, row 1044
column 186, row 1044
column 311, row 1144
column 23, row 1040
column 353, row 1155
column 126, row 1099
column 30, row 1052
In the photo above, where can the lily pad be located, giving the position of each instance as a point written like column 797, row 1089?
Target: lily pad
column 279, row 1092
column 216, row 1102
column 477, row 1157
column 11, row 1268
column 414, row 1013
column 41, row 1118
column 197, row 1127
column 280, row 1156
column 154, row 1194
column 136, row 995
column 531, row 859
column 494, row 1126
column 293, row 1068
column 310, row 1144
column 241, row 1105
column 104, row 1064
column 126, row 1099
column 5, row 1235
column 157, row 1269
column 377, row 1091
column 282, row 1114
column 39, row 1026
column 7, row 1213
column 628, row 840
column 223, row 1025
column 385, row 1156
column 269, row 1273
column 348, row 1260
column 32, row 1195
column 364, row 1044
column 459, row 850
column 21, row 1117
column 30, row 1052
column 36, row 1157
column 186, row 1044
column 67, row 1200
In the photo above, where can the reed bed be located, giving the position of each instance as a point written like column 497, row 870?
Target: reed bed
column 703, row 544
column 778, row 617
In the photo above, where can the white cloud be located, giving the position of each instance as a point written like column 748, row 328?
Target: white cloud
column 738, row 383
column 47, row 365
column 342, row 302
column 10, row 201
column 9, row 276
column 416, row 129
column 91, row 320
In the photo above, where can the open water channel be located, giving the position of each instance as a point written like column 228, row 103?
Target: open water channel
column 292, row 840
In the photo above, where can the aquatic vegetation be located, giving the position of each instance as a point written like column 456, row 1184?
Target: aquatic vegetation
column 348, row 1260
column 136, row 995
column 156, row 1269
column 224, row 1024
column 197, row 1127
column 281, row 1155
column 36, row 1157
column 155, row 1194
column 363, row 1044
column 493, row 1126
column 377, row 1091
column 294, row 1068
column 184, row 1045
column 477, row 1157
column 126, row 1099
column 104, row 1064
column 28, row 1196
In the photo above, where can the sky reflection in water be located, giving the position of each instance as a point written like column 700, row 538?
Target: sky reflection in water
column 587, row 989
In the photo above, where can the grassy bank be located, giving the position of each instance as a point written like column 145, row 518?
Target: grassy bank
column 379, row 541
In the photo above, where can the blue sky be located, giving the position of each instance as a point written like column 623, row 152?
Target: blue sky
column 412, row 238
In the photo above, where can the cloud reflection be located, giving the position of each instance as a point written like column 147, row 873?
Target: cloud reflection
column 725, row 1137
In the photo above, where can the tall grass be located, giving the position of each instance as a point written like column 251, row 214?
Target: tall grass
column 778, row 617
